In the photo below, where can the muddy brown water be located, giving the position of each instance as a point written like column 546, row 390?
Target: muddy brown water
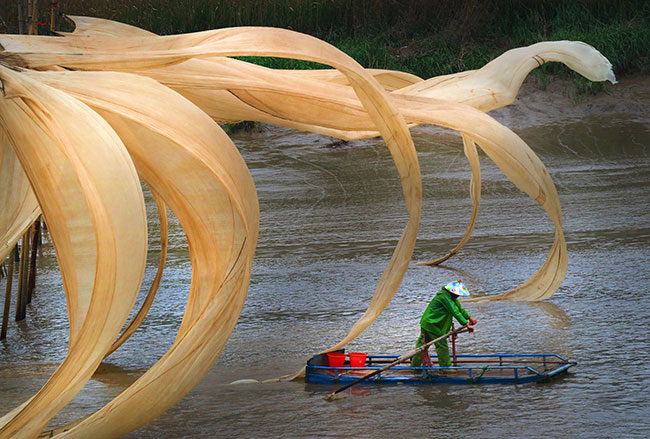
column 330, row 217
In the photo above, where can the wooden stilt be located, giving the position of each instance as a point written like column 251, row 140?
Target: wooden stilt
column 5, row 314
column 25, row 263
column 30, row 4
column 52, row 14
column 18, row 317
column 21, row 16
column 21, row 298
column 36, row 233
column 35, row 18
column 31, row 17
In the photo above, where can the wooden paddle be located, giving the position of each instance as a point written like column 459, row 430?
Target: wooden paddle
column 332, row 395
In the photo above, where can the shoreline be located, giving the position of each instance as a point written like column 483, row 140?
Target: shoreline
column 556, row 103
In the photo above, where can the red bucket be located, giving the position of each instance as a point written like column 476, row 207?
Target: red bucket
column 336, row 359
column 358, row 359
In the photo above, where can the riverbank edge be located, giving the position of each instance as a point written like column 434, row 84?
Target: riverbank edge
column 555, row 101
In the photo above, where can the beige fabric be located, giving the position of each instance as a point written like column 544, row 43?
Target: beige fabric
column 497, row 83
column 215, row 202
column 94, row 26
column 84, row 181
column 18, row 206
column 137, row 320
column 200, row 175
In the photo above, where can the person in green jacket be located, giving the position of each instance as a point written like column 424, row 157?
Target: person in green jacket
column 436, row 321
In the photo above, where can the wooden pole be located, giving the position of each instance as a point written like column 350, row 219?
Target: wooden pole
column 30, row 8
column 25, row 279
column 31, row 16
column 5, row 314
column 35, row 18
column 21, row 16
column 18, row 317
column 52, row 14
column 453, row 346
column 36, row 228
column 21, row 298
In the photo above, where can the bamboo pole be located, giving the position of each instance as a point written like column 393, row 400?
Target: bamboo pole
column 5, row 314
column 25, row 264
column 30, row 18
column 36, row 233
column 21, row 16
column 453, row 346
column 35, row 18
column 32, row 13
column 17, row 316
column 21, row 298
column 52, row 14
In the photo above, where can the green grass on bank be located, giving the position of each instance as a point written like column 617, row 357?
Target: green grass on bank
column 424, row 37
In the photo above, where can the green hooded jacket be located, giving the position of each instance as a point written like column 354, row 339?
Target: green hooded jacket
column 437, row 317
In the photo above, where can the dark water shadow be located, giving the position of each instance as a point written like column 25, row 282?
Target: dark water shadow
column 440, row 397
column 114, row 375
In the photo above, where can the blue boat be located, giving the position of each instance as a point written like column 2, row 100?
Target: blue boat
column 466, row 369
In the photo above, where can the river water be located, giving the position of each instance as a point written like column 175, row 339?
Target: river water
column 331, row 214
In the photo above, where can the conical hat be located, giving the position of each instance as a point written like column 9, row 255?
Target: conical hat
column 457, row 287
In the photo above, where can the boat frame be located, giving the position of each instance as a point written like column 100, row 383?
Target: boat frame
column 466, row 369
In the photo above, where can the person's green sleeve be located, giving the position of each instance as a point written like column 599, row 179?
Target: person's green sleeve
column 463, row 311
column 454, row 308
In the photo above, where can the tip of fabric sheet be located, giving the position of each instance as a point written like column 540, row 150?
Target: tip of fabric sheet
column 245, row 381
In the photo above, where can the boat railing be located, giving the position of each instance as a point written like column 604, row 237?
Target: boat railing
column 431, row 369
column 501, row 357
